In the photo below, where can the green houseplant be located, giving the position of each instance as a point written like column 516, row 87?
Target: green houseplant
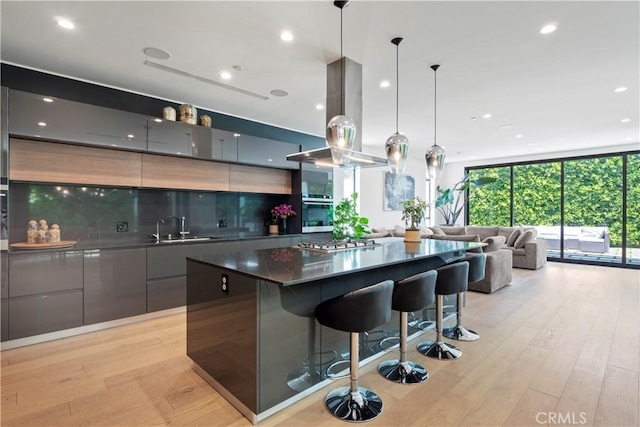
column 347, row 223
column 450, row 202
column 413, row 212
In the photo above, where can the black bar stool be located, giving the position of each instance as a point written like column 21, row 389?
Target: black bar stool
column 358, row 311
column 411, row 294
column 477, row 263
column 452, row 279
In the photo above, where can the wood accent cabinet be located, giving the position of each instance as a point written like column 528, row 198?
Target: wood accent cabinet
column 40, row 161
column 254, row 179
column 182, row 173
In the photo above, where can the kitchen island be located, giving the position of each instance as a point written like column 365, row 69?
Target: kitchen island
column 251, row 332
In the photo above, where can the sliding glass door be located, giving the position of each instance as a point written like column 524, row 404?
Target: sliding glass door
column 586, row 208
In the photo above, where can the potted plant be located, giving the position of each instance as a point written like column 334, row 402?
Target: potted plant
column 413, row 212
column 347, row 223
column 279, row 214
column 450, row 201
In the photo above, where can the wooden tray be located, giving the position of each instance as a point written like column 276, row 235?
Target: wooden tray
column 53, row 245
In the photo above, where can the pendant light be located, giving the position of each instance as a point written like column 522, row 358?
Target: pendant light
column 341, row 129
column 397, row 145
column 435, row 155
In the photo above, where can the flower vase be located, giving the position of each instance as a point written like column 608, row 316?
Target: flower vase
column 283, row 226
column 273, row 229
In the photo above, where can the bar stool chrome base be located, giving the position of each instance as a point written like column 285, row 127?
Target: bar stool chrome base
column 406, row 372
column 460, row 333
column 439, row 350
column 356, row 406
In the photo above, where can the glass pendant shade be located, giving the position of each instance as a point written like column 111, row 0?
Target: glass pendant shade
column 341, row 133
column 435, row 157
column 397, row 148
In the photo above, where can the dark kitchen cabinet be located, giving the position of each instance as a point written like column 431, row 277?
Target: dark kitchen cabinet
column 57, row 119
column 47, row 272
column 178, row 138
column 266, row 152
column 39, row 314
column 114, row 284
column 4, row 131
column 4, row 319
column 225, row 146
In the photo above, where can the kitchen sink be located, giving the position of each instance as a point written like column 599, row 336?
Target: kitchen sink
column 187, row 239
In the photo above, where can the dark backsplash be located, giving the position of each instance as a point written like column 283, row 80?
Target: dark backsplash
column 91, row 214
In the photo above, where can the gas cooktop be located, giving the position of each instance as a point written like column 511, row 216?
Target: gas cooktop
column 338, row 245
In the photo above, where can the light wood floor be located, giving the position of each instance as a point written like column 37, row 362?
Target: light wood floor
column 559, row 344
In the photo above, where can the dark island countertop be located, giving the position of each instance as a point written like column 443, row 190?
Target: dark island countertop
column 292, row 265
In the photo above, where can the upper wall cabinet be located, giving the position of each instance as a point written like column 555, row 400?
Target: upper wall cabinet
column 171, row 137
column 57, row 119
column 225, row 145
column 266, row 152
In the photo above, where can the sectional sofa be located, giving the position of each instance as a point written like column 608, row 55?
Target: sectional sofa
column 506, row 247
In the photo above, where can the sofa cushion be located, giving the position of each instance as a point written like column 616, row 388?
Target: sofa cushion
column 524, row 237
column 398, row 231
column 493, row 243
column 483, row 232
column 511, row 240
column 519, row 252
column 438, row 231
column 381, row 230
column 453, row 230
column 425, row 232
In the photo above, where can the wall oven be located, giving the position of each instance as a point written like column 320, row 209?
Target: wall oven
column 317, row 214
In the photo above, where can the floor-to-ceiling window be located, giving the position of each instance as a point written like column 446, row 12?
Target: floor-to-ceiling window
column 587, row 208
column 490, row 204
column 633, row 209
column 537, row 198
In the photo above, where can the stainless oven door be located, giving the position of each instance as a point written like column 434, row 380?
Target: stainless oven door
column 317, row 215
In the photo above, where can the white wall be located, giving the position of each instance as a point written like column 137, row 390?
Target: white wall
column 371, row 185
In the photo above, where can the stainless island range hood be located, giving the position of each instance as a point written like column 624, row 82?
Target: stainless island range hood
column 344, row 96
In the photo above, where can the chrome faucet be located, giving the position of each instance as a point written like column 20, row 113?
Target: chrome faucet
column 182, row 230
column 157, row 235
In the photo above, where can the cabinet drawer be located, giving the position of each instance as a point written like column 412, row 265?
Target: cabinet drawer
column 166, row 293
column 31, row 274
column 44, row 313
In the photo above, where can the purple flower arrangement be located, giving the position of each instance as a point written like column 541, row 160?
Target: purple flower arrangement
column 283, row 211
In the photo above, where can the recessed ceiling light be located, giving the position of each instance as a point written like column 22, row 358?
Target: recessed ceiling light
column 130, row 136
column 65, row 23
column 385, row 83
column 620, row 89
column 47, row 99
column 154, row 52
column 236, row 135
column 625, row 120
column 518, row 135
column 286, row 36
column 42, row 124
column 486, row 116
column 270, row 160
column 279, row 92
column 319, row 107
column 549, row 28
column 157, row 120
column 225, row 75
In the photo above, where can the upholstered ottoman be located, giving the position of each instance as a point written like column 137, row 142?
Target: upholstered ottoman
column 497, row 272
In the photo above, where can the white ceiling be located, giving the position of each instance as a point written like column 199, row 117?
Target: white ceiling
column 557, row 90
